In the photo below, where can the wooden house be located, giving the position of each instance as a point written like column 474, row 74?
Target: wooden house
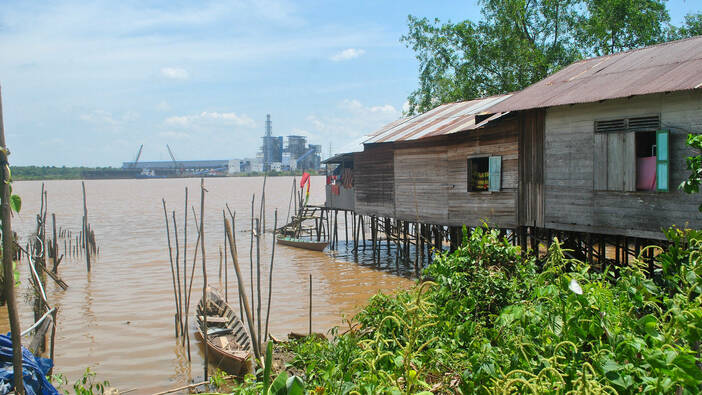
column 448, row 166
column 612, row 144
column 593, row 153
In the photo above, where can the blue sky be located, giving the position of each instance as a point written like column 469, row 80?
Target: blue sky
column 85, row 83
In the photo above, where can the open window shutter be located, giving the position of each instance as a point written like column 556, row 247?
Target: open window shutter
column 495, row 173
column 662, row 160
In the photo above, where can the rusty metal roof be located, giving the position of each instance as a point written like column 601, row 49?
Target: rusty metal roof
column 671, row 66
column 445, row 119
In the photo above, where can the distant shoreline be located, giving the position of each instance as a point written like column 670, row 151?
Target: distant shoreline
column 46, row 173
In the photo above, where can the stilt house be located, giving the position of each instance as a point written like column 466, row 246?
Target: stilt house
column 594, row 153
column 609, row 151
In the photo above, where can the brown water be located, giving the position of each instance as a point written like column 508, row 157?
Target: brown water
column 118, row 319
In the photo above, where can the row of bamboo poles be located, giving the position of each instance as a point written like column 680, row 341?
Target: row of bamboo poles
column 250, row 310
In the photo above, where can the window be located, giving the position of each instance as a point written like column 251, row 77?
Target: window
column 629, row 155
column 484, row 174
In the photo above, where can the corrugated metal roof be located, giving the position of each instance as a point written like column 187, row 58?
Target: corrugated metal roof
column 671, row 66
column 445, row 119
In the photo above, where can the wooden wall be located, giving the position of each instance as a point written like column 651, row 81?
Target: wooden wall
column 374, row 180
column 421, row 184
column 531, row 163
column 474, row 208
column 571, row 201
column 431, row 178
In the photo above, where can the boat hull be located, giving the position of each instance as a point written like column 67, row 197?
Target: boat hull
column 305, row 244
column 228, row 344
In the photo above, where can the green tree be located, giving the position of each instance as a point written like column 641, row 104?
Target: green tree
column 517, row 43
column 692, row 26
column 610, row 26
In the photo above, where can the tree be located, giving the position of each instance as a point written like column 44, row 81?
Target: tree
column 519, row 42
column 610, row 26
column 692, row 26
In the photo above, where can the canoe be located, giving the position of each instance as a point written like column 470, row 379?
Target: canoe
column 302, row 243
column 228, row 343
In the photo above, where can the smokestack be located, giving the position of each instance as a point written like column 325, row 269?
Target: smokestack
column 269, row 126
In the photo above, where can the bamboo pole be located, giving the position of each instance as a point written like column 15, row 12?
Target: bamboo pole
column 204, row 266
column 8, row 248
column 242, row 293
column 270, row 273
column 226, row 279
column 251, row 263
column 177, row 266
column 262, row 214
column 185, row 272
column 310, row 332
column 53, row 224
column 258, row 277
column 85, row 227
column 170, row 256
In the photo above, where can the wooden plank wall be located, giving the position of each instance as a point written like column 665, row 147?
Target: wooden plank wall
column 571, row 201
column 421, row 184
column 474, row 208
column 374, row 180
column 531, row 164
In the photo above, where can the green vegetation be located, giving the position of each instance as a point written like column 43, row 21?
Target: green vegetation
column 519, row 42
column 493, row 321
column 21, row 173
column 86, row 385
column 694, row 164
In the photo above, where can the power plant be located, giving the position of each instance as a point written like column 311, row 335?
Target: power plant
column 274, row 155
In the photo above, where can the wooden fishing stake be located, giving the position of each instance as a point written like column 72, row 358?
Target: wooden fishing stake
column 310, row 332
column 170, row 256
column 8, row 247
column 262, row 214
column 204, row 265
column 177, row 266
column 240, row 282
column 232, row 215
column 251, row 264
column 186, row 338
column 226, row 280
column 270, row 274
column 85, row 227
column 56, row 259
column 258, row 276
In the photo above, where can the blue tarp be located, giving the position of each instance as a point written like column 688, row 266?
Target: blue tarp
column 34, row 371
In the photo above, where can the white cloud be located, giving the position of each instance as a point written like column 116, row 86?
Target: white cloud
column 350, row 123
column 206, row 117
column 175, row 73
column 347, row 54
column 163, row 106
column 99, row 117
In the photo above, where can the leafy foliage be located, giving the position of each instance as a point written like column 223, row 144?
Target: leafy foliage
column 694, row 164
column 492, row 322
column 519, row 42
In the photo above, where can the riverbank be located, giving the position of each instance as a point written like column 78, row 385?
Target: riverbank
column 492, row 321
column 42, row 173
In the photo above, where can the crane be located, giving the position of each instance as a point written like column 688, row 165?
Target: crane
column 133, row 165
column 175, row 163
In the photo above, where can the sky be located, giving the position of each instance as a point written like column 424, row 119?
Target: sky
column 86, row 83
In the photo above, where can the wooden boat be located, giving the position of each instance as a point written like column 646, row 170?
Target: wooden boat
column 228, row 343
column 302, row 243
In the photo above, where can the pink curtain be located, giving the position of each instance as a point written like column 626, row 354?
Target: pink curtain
column 646, row 173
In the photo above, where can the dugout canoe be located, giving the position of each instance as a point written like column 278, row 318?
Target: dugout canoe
column 228, row 343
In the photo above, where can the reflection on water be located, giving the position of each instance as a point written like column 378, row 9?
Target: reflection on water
column 119, row 319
